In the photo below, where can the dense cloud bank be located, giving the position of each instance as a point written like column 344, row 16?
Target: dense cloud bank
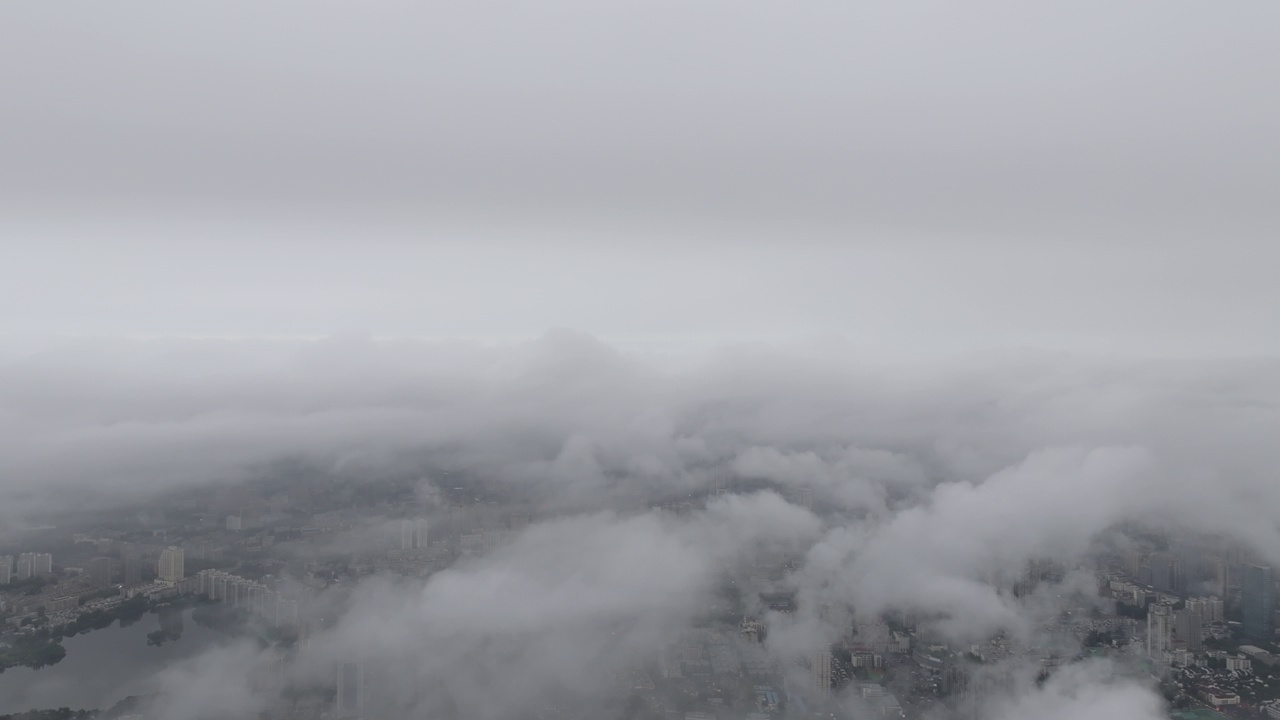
column 565, row 414
column 925, row 481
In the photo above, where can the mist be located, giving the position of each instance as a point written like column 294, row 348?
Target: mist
column 573, row 360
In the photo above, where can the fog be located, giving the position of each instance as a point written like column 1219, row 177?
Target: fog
column 928, row 480
column 636, row 317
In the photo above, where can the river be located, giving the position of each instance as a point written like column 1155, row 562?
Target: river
column 104, row 666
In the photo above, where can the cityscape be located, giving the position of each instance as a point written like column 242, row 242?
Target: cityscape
column 661, row 360
column 1193, row 617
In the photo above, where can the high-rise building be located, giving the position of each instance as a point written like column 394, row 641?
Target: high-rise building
column 822, row 672
column 414, row 535
column 34, row 565
column 1132, row 561
column 1158, row 631
column 1214, row 610
column 1257, row 595
column 1164, row 572
column 1221, row 577
column 1189, row 620
column 351, row 689
column 170, row 567
column 100, row 571
column 1210, row 608
column 6, row 569
column 131, row 558
column 1144, row 573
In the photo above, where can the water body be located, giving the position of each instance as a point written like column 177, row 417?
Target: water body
column 105, row 666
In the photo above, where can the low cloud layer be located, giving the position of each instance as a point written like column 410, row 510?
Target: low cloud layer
column 925, row 486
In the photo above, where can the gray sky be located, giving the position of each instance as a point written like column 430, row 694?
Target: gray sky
column 919, row 176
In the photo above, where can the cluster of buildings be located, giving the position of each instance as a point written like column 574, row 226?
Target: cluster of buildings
column 414, row 535
column 28, row 564
column 1175, row 600
column 240, row 592
column 51, row 599
column 170, row 574
column 1237, row 687
column 1179, row 632
column 1207, row 644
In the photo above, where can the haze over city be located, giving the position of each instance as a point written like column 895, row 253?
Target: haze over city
column 732, row 361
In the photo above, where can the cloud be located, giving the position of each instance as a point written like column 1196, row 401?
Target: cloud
column 559, row 609
column 216, row 682
column 933, row 485
column 936, row 557
column 1086, row 690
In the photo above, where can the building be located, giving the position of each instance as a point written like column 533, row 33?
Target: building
column 1214, row 610
column 518, row 521
column 1221, row 577
column 1218, row 698
column 822, row 673
column 24, row 566
column 1200, row 605
column 1132, row 563
column 1165, row 575
column 42, row 564
column 1188, row 628
column 242, row 592
column 170, row 568
column 349, row 702
column 1159, row 629
column 100, row 571
column 1257, row 654
column 131, row 558
column 6, row 569
column 1257, row 595
column 34, row 565
column 414, row 535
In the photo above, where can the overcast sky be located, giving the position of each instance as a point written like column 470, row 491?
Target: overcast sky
column 918, row 176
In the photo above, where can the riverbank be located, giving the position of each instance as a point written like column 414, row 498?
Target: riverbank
column 35, row 650
column 103, row 666
column 42, row 646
